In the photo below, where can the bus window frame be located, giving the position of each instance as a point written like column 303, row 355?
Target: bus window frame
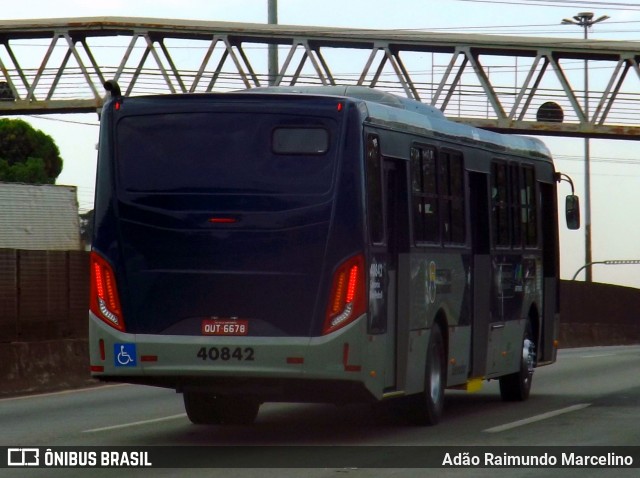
column 324, row 152
column 423, row 195
column 375, row 224
column 532, row 205
column 453, row 154
column 443, row 156
column 496, row 163
column 517, row 207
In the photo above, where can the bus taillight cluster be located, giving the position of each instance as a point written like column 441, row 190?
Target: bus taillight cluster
column 105, row 302
column 347, row 300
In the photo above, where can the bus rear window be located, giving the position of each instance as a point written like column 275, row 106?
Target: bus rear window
column 228, row 152
column 300, row 141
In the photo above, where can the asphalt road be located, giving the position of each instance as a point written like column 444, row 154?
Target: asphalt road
column 590, row 397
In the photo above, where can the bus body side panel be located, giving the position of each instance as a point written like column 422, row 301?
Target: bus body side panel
column 432, row 282
column 516, row 292
column 346, row 235
column 439, row 287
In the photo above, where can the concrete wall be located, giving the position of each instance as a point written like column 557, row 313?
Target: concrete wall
column 43, row 320
column 44, row 325
column 598, row 314
column 43, row 365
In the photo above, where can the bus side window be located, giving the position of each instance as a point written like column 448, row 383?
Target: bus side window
column 426, row 218
column 417, row 202
column 529, row 206
column 452, row 197
column 499, row 204
column 374, row 189
column 516, row 222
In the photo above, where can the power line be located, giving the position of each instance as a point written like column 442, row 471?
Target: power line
column 598, row 159
column 564, row 4
column 63, row 120
column 581, row 3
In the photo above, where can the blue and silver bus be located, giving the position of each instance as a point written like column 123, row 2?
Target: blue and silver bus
column 319, row 244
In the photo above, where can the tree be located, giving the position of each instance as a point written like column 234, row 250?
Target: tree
column 27, row 155
column 86, row 226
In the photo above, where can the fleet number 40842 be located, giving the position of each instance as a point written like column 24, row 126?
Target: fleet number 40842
column 226, row 353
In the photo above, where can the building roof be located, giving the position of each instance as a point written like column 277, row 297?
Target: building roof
column 39, row 217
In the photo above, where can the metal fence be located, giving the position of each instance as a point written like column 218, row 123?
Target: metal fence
column 514, row 84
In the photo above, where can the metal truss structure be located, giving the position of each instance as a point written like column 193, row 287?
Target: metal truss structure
column 514, row 84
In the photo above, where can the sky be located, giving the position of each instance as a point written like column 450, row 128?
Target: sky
column 615, row 170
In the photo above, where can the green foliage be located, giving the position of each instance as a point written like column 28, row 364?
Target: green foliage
column 86, row 226
column 31, row 171
column 27, row 155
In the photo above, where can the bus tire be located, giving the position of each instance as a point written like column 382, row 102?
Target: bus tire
column 202, row 408
column 428, row 405
column 210, row 409
column 238, row 410
column 516, row 387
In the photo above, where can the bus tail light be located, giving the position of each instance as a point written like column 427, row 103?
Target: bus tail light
column 104, row 301
column 347, row 301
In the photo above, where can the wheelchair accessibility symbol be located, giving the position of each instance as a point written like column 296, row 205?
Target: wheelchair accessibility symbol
column 124, row 355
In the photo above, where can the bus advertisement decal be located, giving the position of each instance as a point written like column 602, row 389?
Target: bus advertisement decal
column 231, row 327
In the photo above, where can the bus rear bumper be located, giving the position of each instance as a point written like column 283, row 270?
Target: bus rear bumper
column 331, row 368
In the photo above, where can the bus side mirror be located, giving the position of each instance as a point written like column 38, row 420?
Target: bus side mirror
column 572, row 207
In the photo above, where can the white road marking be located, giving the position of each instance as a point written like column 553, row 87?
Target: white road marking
column 537, row 418
column 598, row 355
column 135, row 424
column 64, row 392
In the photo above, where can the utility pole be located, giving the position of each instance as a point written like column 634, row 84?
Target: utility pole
column 585, row 20
column 273, row 48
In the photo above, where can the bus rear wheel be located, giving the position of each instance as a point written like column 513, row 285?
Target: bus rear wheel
column 428, row 405
column 202, row 408
column 516, row 387
column 210, row 409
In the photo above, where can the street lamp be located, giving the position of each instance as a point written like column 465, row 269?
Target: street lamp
column 615, row 262
column 585, row 20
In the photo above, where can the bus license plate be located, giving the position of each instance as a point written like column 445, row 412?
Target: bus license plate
column 225, row 327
